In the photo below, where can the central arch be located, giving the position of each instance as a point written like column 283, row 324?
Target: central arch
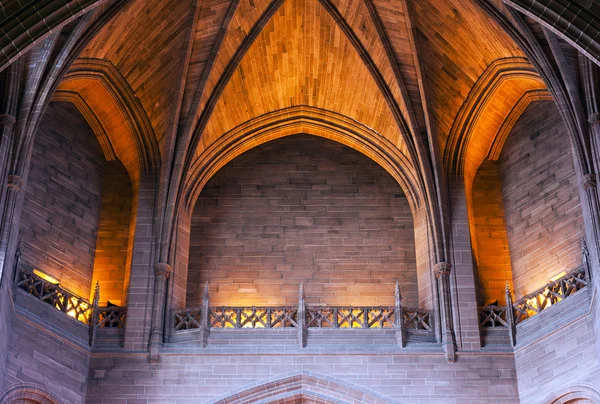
column 321, row 388
column 315, row 122
column 310, row 121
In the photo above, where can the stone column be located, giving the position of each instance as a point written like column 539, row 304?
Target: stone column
column 162, row 271
column 7, row 123
column 588, row 182
column 442, row 274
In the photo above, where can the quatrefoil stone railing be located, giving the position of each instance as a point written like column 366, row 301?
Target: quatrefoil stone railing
column 94, row 316
column 530, row 305
column 305, row 317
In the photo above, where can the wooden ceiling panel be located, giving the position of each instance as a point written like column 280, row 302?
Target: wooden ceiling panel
column 457, row 42
column 144, row 43
column 302, row 57
column 393, row 17
column 212, row 20
column 246, row 15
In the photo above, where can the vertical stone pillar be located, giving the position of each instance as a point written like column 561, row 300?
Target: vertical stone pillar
column 7, row 123
column 588, row 182
column 463, row 285
column 442, row 274
column 399, row 318
column 204, row 318
column 10, row 225
column 162, row 271
column 301, row 317
column 138, row 322
column 510, row 316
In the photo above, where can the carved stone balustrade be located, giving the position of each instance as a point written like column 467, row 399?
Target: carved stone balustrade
column 493, row 316
column 107, row 320
column 508, row 316
column 554, row 292
column 52, row 294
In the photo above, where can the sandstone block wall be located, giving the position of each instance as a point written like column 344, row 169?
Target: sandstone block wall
column 302, row 209
column 197, row 377
column 556, row 352
column 541, row 198
column 59, row 222
column 113, row 249
column 492, row 249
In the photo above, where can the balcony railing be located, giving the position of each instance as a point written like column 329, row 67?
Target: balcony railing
column 554, row 292
column 91, row 314
column 511, row 314
column 304, row 317
column 52, row 294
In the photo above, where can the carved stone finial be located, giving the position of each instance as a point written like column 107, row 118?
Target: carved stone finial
column 507, row 288
column 162, row 269
column 301, row 295
column 589, row 181
column 205, row 295
column 14, row 183
column 441, row 269
column 397, row 293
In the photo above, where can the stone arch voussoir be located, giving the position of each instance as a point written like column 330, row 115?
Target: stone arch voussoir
column 328, row 389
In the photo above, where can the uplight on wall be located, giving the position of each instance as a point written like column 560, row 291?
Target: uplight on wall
column 247, row 290
column 45, row 277
column 558, row 276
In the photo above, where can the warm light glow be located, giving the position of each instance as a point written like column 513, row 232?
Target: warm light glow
column 247, row 290
column 45, row 277
column 558, row 276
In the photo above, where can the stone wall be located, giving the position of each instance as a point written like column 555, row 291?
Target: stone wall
column 195, row 376
column 113, row 246
column 47, row 350
column 492, row 250
column 302, row 209
column 59, row 221
column 541, row 198
column 556, row 351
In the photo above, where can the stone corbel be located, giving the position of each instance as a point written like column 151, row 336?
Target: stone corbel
column 8, row 121
column 589, row 182
column 14, row 183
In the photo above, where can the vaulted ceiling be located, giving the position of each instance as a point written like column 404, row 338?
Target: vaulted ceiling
column 403, row 69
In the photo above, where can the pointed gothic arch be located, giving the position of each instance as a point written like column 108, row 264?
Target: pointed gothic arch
column 329, row 389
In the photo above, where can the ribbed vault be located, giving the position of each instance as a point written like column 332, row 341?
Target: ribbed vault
column 302, row 57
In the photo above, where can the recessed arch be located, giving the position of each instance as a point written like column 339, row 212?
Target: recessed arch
column 91, row 118
column 311, row 121
column 300, row 383
column 487, row 111
column 112, row 104
column 315, row 122
column 513, row 117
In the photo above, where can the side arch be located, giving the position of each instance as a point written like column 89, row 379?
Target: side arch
column 28, row 393
column 329, row 389
column 116, row 112
column 479, row 119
